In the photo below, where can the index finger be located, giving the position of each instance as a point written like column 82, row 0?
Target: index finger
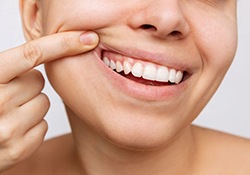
column 21, row 59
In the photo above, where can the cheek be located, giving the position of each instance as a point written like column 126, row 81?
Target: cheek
column 81, row 15
column 73, row 74
column 214, row 32
column 219, row 51
column 217, row 43
column 74, row 80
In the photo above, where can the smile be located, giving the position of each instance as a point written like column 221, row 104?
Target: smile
column 142, row 71
column 144, row 75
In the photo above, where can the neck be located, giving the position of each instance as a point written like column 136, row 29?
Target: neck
column 96, row 155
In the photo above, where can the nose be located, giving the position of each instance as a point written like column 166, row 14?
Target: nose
column 161, row 18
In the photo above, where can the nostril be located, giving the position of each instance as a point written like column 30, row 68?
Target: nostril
column 148, row 26
column 175, row 33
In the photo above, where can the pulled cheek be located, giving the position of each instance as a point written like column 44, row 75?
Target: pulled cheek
column 82, row 19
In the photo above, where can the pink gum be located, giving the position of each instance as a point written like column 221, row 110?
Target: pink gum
column 121, row 58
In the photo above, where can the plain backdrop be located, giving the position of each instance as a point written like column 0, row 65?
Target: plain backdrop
column 228, row 111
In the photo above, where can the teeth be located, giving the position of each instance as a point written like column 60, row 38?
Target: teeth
column 112, row 65
column 172, row 75
column 127, row 67
column 179, row 77
column 106, row 61
column 147, row 72
column 119, row 67
column 137, row 70
column 162, row 74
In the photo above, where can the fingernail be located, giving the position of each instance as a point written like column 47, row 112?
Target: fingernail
column 89, row 38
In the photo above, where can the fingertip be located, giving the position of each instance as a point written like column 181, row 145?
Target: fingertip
column 89, row 38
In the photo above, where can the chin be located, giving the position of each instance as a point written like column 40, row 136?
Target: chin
column 139, row 141
column 140, row 133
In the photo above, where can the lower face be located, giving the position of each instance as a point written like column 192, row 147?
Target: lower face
column 137, row 89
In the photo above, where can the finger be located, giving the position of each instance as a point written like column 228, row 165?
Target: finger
column 23, row 147
column 32, row 113
column 23, row 58
column 34, row 138
column 23, row 88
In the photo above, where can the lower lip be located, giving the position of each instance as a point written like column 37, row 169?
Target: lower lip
column 139, row 90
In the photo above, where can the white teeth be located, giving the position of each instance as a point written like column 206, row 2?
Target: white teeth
column 179, row 76
column 172, row 75
column 106, row 61
column 112, row 65
column 119, row 67
column 127, row 67
column 162, row 74
column 137, row 70
column 147, row 72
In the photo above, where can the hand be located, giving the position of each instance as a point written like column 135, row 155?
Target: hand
column 22, row 105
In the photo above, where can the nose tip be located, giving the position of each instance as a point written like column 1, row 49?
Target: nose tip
column 161, row 20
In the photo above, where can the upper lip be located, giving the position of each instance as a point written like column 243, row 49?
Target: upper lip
column 153, row 57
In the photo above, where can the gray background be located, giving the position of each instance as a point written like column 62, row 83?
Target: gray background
column 228, row 111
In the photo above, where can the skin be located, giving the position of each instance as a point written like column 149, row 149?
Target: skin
column 196, row 39
column 23, row 106
column 143, row 134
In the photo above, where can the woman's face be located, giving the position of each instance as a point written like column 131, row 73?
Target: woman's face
column 160, row 40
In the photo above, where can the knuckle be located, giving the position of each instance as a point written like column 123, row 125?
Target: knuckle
column 42, row 130
column 38, row 77
column 44, row 126
column 2, row 110
column 45, row 99
column 32, row 53
column 5, row 134
column 15, row 153
column 4, row 99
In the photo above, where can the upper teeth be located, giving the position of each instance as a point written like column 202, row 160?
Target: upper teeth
column 149, row 71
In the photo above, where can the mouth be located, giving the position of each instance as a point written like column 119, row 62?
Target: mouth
column 143, row 75
column 142, row 71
